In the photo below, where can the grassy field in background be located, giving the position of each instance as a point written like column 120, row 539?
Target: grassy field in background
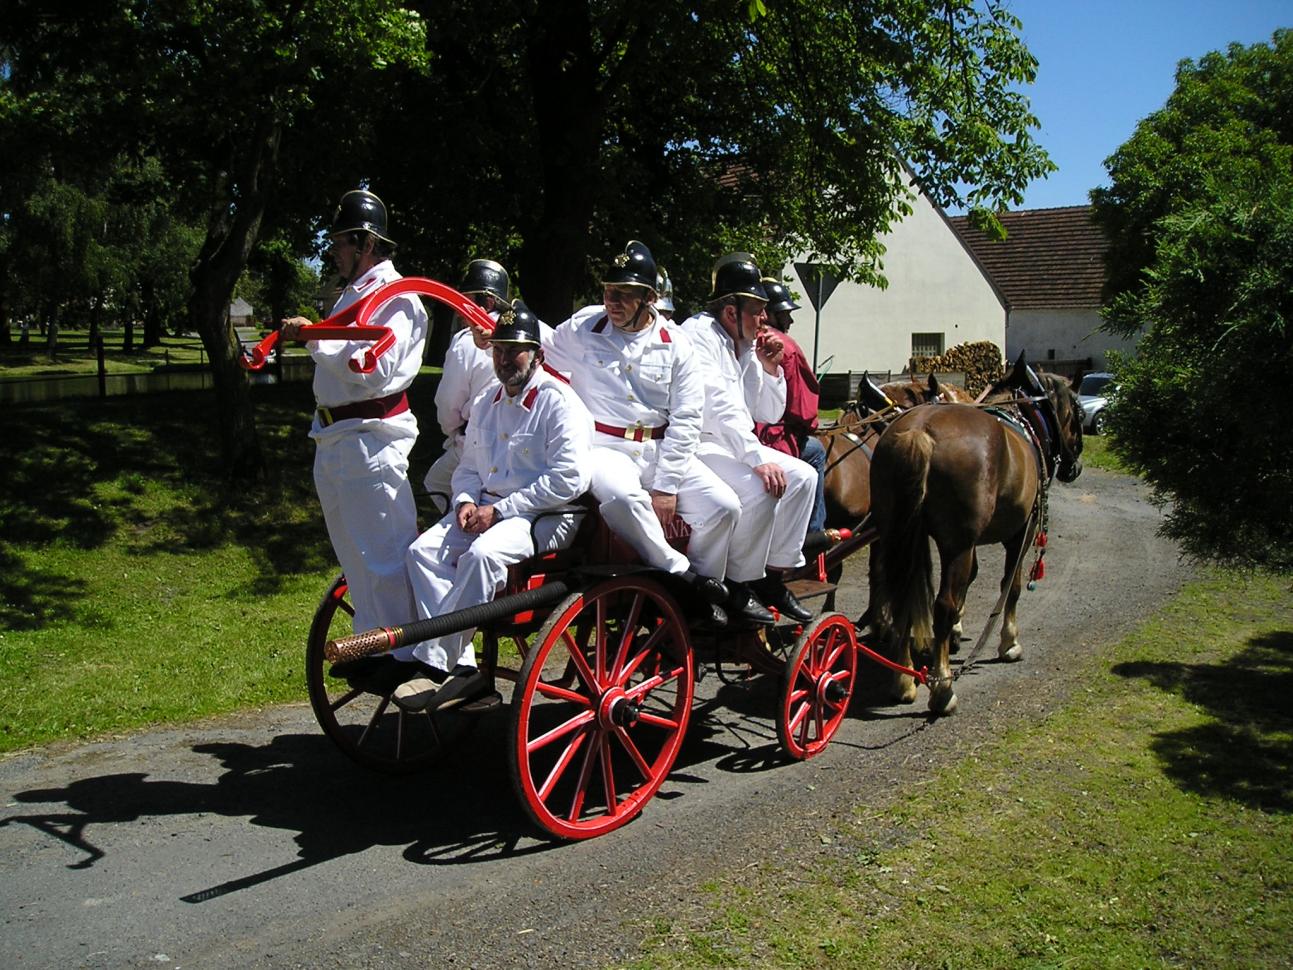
column 136, row 587
column 1146, row 823
column 75, row 356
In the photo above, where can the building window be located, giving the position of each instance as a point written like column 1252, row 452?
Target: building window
column 926, row 344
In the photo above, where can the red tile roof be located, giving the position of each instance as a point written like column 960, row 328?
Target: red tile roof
column 1051, row 258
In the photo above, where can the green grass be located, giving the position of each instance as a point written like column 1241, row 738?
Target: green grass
column 1145, row 824
column 137, row 587
column 1097, row 452
column 75, row 356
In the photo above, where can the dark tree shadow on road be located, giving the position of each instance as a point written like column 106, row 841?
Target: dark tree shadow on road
column 1246, row 753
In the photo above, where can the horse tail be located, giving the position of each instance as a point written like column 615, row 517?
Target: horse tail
column 906, row 586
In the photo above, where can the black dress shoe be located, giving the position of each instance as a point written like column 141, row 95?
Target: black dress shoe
column 710, row 588
column 742, row 605
column 772, row 591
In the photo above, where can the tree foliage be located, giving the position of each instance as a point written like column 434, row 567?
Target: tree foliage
column 1200, row 221
column 548, row 132
column 544, row 133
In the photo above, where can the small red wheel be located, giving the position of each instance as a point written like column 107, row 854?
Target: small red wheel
column 600, row 707
column 818, row 686
column 365, row 723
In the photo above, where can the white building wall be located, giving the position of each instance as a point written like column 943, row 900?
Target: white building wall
column 934, row 286
column 1071, row 334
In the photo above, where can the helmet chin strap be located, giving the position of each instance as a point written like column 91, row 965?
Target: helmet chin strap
column 637, row 314
column 353, row 273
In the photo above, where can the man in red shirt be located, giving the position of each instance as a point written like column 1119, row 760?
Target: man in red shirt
column 794, row 433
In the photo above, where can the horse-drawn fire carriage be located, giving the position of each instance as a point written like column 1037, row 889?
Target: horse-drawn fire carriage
column 606, row 655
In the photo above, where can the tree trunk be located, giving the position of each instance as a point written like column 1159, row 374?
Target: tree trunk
column 152, row 317
column 51, row 334
column 231, row 234
column 96, row 317
column 569, row 110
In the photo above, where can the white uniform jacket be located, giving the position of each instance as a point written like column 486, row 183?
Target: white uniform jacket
column 468, row 372
column 649, row 378
column 336, row 384
column 738, row 392
column 527, row 454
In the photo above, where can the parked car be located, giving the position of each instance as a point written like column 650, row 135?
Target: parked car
column 1093, row 395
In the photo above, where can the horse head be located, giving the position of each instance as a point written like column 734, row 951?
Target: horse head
column 1068, row 424
column 1057, row 407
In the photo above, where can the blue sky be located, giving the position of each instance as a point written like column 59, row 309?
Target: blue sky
column 1105, row 65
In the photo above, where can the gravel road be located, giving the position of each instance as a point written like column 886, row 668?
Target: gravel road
column 249, row 841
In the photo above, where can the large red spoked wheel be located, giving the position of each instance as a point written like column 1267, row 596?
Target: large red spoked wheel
column 364, row 722
column 600, row 707
column 818, row 686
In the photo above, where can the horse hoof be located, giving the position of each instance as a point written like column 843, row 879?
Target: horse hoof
column 942, row 703
column 904, row 692
column 1011, row 654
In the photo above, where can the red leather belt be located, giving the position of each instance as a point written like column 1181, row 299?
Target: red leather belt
column 635, row 433
column 378, row 407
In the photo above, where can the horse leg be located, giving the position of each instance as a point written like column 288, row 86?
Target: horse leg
column 956, row 572
column 1009, row 648
column 893, row 643
column 958, row 628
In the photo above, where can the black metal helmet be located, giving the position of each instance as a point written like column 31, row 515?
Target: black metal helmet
column 664, row 290
column 778, row 295
column 517, row 325
column 633, row 267
column 486, row 276
column 360, row 211
column 737, row 274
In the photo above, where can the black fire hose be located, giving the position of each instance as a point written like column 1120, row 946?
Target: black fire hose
column 387, row 638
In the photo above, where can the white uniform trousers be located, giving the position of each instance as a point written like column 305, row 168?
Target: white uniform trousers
column 362, row 481
column 439, row 478
column 770, row 531
column 452, row 570
column 621, row 479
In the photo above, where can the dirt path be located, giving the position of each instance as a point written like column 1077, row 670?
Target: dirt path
column 250, row 842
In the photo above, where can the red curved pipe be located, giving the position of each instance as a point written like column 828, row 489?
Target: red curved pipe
column 352, row 322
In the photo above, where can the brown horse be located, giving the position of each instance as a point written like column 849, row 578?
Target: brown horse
column 962, row 476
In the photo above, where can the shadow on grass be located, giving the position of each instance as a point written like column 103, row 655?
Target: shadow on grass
column 145, row 471
column 1245, row 754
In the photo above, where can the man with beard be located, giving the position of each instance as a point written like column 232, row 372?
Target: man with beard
column 363, row 429
column 527, row 454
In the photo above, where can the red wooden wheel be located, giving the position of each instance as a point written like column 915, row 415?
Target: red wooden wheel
column 600, row 707
column 818, row 686
column 365, row 723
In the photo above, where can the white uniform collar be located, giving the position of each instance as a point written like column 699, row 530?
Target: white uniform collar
column 375, row 274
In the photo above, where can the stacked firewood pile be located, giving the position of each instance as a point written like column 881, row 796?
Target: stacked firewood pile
column 980, row 362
